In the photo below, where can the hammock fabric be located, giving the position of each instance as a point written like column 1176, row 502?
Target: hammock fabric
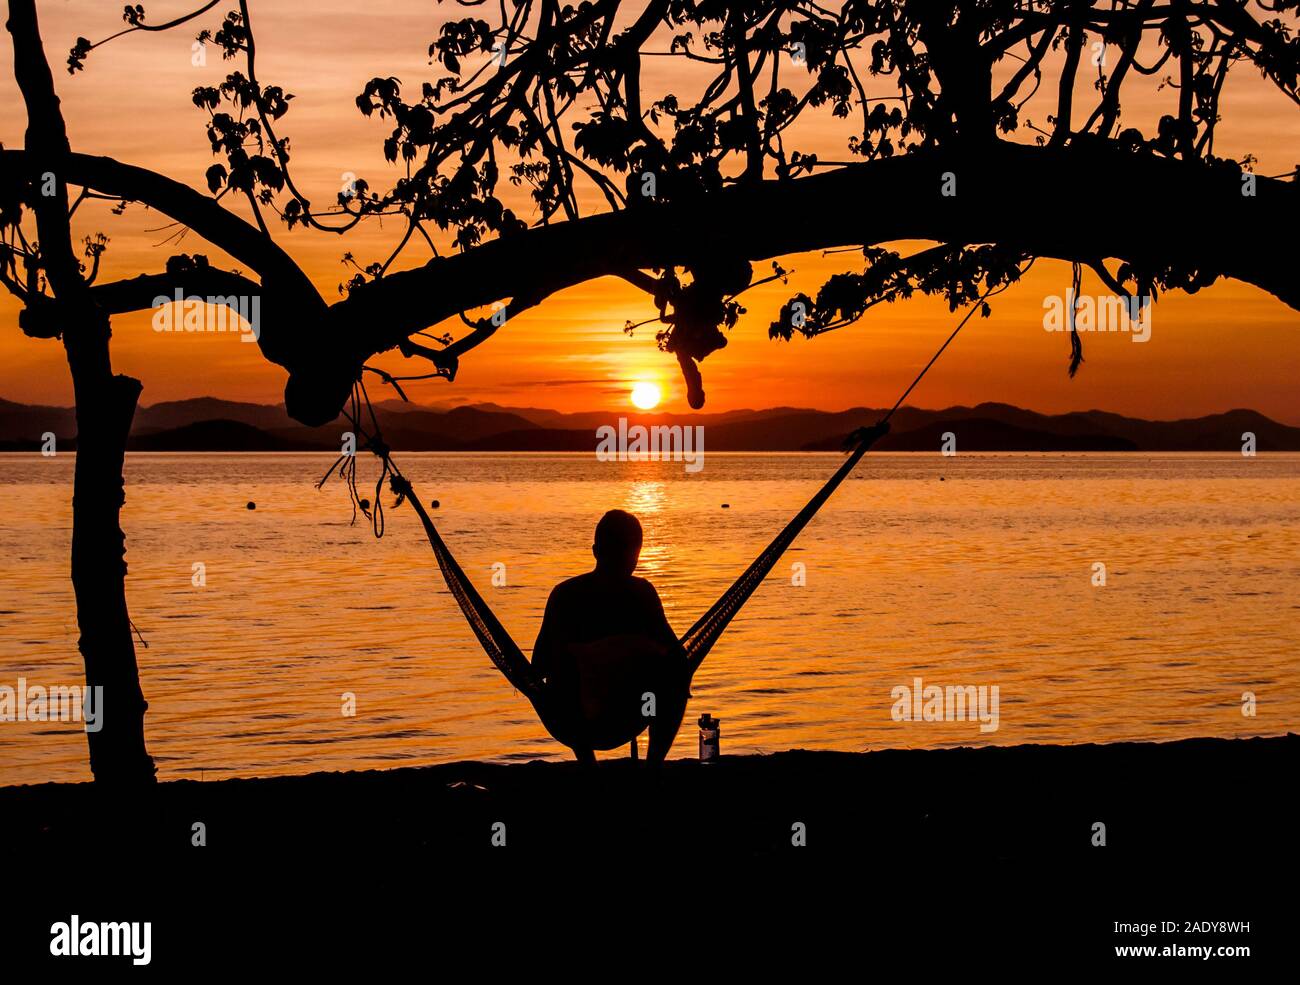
column 697, row 641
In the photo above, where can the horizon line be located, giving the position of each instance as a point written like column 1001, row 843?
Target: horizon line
column 445, row 407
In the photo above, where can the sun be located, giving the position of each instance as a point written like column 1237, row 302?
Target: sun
column 645, row 395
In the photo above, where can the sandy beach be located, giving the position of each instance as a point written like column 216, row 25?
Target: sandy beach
column 1197, row 798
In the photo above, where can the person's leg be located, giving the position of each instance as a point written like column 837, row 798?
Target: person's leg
column 586, row 757
column 635, row 753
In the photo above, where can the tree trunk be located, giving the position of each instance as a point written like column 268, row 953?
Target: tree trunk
column 105, row 407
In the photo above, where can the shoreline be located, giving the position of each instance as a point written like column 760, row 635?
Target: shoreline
column 1196, row 799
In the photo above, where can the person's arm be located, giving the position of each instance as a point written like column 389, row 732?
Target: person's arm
column 661, row 632
column 675, row 686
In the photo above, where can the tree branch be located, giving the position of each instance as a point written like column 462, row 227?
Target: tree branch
column 1191, row 214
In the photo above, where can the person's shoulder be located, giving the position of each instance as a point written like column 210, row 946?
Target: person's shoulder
column 571, row 586
column 645, row 587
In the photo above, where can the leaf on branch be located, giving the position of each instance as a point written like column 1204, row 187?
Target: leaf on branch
column 77, row 56
column 216, row 176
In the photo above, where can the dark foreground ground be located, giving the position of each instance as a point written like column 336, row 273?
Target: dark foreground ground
column 961, row 859
column 1195, row 799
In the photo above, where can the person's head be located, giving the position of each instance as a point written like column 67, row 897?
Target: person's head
column 618, row 542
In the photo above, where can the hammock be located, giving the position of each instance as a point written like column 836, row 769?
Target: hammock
column 697, row 641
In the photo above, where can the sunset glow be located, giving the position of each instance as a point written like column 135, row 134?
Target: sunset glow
column 645, row 396
column 649, row 433
column 1009, row 357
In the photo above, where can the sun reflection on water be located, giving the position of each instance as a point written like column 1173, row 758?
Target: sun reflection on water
column 645, row 499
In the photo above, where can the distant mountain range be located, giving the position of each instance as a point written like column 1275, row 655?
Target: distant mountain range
column 209, row 424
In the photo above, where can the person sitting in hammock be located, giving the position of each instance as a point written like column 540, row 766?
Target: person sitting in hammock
column 611, row 663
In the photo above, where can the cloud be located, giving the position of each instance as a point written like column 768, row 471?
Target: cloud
column 531, row 383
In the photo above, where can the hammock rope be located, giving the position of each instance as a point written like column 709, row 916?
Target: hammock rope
column 493, row 636
column 699, row 639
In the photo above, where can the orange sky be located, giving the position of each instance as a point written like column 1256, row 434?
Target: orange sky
column 1230, row 346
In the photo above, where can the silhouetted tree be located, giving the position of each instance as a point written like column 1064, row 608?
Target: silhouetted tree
column 679, row 196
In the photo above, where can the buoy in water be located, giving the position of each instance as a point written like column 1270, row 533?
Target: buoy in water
column 726, row 506
column 435, row 504
column 365, row 504
column 252, row 505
